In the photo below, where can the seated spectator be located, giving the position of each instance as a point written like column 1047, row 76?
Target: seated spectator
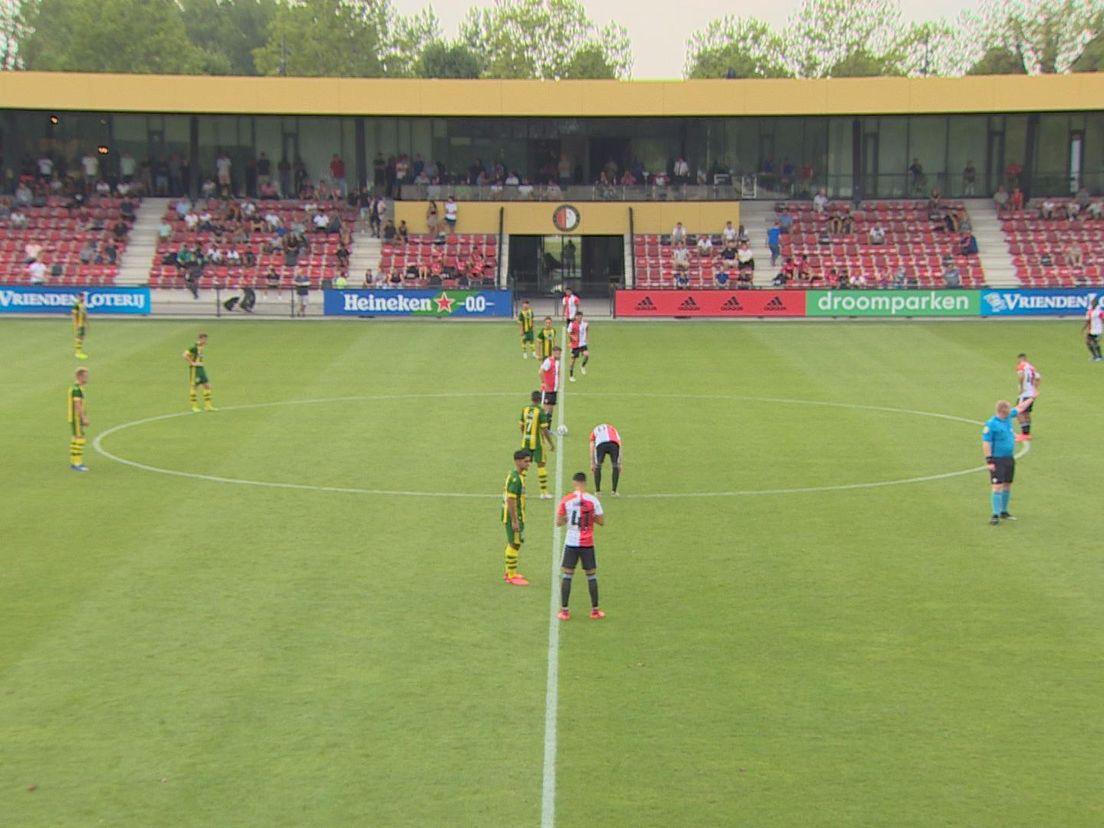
column 899, row 277
column 342, row 256
column 820, row 201
column 389, row 231
column 964, row 223
column 1000, row 200
column 31, row 252
column 950, row 222
column 18, row 220
column 678, row 235
column 844, row 279
column 835, row 223
column 402, row 233
column 1072, row 210
column 935, row 200
column 87, row 252
column 1047, row 208
column 164, row 230
column 787, row 274
column 129, row 209
column 859, row 281
column 249, row 258
column 952, row 278
column 728, row 235
column 728, row 253
column 824, row 236
column 109, row 254
column 1095, row 210
column 213, row 255
column 233, row 257
column 680, row 258
column 1073, row 255
column 968, row 244
column 705, row 245
column 120, row 230
column 37, row 272
column 720, row 273
column 877, row 234
column 744, row 258
column 24, row 197
column 804, row 269
column 320, row 221
column 208, row 188
column 191, row 221
column 742, row 235
column 396, row 278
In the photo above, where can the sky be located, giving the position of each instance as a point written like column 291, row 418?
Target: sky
column 659, row 30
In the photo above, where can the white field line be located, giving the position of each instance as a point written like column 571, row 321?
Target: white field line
column 552, row 686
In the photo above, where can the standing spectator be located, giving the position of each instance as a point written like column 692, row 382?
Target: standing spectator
column 917, row 180
column 283, row 170
column 45, row 167
column 681, row 171
column 176, row 175
column 37, row 272
column 222, row 172
column 264, row 171
column 774, row 242
column 969, row 179
column 1000, row 200
column 1016, row 200
column 128, row 166
column 452, row 214
column 431, row 218
column 90, row 164
column 337, row 175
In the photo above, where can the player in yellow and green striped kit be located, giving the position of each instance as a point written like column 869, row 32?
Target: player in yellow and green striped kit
column 546, row 338
column 78, row 421
column 536, row 429
column 513, row 516
column 197, row 375
column 80, row 324
column 525, row 322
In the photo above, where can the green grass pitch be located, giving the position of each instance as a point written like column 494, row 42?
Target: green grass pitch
column 179, row 651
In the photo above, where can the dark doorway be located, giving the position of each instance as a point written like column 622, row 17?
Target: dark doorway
column 613, row 154
column 587, row 264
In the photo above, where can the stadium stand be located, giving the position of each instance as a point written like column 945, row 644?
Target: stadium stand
column 452, row 259
column 319, row 260
column 62, row 232
column 1045, row 251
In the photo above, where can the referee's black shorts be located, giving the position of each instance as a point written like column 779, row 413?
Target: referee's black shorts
column 607, row 449
column 573, row 554
column 1003, row 471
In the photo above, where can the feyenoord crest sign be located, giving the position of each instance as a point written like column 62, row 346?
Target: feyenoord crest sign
column 566, row 218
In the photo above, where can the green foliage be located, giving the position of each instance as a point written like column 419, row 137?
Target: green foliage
column 1092, row 58
column 13, row 31
column 448, row 60
column 228, row 31
column 406, row 38
column 998, row 60
column 133, row 36
column 1051, row 35
column 542, row 38
column 733, row 47
column 325, row 38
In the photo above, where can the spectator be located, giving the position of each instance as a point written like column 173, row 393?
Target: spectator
column 951, row 277
column 37, row 272
column 1016, row 201
column 774, row 242
column 102, row 188
column 1047, row 208
column 18, row 220
column 1095, row 210
column 681, row 170
column 728, row 235
column 742, row 235
column 320, row 221
column 222, row 172
column 1072, row 209
column 899, row 277
column 705, row 245
column 337, row 175
column 403, row 234
column 917, row 180
column 32, row 250
column 1073, row 255
column 744, row 258
column 785, row 220
column 820, row 201
column 1000, row 200
column 272, row 281
column 389, row 231
column 87, row 252
column 877, row 234
column 1083, row 198
column 90, row 164
column 678, row 234
column 109, row 254
column 950, row 222
column 680, row 258
column 45, row 167
column 23, row 195
column 452, row 214
column 377, row 215
column 720, row 274
column 525, row 189
column 302, row 292
column 969, row 179
column 935, row 200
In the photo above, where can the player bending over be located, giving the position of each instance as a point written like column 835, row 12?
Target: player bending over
column 513, row 517
column 579, row 512
column 1029, row 390
column 577, row 333
column 535, row 426
column 78, row 422
column 197, row 375
column 525, row 322
column 1094, row 327
column 605, row 441
column 998, row 444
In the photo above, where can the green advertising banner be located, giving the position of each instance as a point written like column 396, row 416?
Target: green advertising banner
column 893, row 303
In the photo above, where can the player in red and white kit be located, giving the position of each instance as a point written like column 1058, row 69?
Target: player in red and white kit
column 579, row 511
column 578, row 333
column 605, row 441
column 1094, row 328
column 1030, row 379
column 550, row 379
column 570, row 305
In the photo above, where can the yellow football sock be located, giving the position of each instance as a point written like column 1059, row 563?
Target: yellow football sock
column 207, row 397
column 76, row 451
column 79, row 346
column 511, row 561
column 542, row 477
column 192, row 397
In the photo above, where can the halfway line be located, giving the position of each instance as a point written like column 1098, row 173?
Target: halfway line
column 552, row 688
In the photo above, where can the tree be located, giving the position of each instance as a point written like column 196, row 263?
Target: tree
column 1049, row 35
column 134, row 36
column 448, row 60
column 324, row 38
column 826, row 38
column 998, row 61
column 735, row 47
column 541, row 39
column 13, row 31
column 1091, row 58
column 228, row 31
column 406, row 39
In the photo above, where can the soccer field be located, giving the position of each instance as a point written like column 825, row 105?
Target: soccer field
column 291, row 612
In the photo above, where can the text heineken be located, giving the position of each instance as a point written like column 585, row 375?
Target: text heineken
column 893, row 303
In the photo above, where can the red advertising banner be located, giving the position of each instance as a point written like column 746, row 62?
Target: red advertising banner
column 709, row 303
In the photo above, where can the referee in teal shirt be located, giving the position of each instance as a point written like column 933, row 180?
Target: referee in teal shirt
column 998, row 442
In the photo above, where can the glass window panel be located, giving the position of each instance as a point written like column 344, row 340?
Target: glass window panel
column 967, row 137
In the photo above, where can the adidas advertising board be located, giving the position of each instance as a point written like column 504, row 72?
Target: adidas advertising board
column 709, row 303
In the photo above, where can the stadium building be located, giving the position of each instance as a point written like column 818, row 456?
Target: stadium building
column 597, row 173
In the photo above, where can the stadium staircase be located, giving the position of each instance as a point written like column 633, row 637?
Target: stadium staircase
column 1000, row 270
column 134, row 266
column 758, row 217
column 365, row 255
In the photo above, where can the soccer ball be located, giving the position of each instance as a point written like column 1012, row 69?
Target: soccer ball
column 562, row 430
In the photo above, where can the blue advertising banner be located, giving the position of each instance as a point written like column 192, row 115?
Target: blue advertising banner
column 101, row 300
column 425, row 303
column 1038, row 302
